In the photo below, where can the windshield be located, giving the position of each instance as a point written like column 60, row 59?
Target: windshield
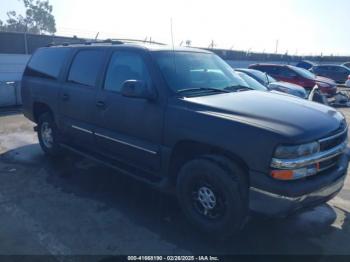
column 192, row 71
column 264, row 77
column 252, row 82
column 304, row 73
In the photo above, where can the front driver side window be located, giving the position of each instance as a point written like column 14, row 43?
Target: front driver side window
column 125, row 65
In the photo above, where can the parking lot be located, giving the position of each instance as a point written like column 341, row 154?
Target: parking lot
column 74, row 206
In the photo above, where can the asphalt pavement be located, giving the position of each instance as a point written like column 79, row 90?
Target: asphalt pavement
column 74, row 206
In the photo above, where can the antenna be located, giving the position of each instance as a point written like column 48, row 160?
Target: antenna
column 172, row 42
column 97, row 35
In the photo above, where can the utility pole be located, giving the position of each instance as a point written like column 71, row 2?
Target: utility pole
column 277, row 42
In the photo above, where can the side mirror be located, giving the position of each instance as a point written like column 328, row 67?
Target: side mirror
column 137, row 89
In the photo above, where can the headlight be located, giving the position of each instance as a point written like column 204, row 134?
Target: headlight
column 294, row 152
column 291, row 152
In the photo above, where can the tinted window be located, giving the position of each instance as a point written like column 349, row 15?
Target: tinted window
column 263, row 77
column 125, row 66
column 304, row 73
column 286, row 72
column 191, row 70
column 319, row 69
column 46, row 63
column 341, row 69
column 268, row 69
column 85, row 67
column 252, row 82
column 329, row 68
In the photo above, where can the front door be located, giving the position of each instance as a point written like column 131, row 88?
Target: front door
column 128, row 129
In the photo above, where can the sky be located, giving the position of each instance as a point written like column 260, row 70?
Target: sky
column 302, row 27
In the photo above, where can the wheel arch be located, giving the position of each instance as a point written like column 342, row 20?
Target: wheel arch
column 187, row 150
column 40, row 108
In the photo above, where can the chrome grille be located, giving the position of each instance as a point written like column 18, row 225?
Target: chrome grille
column 330, row 142
column 333, row 141
column 328, row 163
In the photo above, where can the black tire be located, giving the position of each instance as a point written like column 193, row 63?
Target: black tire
column 227, row 181
column 53, row 149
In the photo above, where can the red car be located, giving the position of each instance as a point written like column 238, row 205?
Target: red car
column 299, row 76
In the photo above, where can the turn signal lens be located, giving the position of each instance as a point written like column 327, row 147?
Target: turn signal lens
column 282, row 174
column 295, row 173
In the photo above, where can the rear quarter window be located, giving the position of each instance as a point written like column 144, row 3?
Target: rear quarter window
column 46, row 63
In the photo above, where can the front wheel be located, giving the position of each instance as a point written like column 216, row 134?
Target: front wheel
column 212, row 192
column 48, row 135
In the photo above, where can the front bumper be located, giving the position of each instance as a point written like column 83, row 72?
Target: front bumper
column 281, row 198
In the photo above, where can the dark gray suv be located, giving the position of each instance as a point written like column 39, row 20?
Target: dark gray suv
column 183, row 121
column 338, row 73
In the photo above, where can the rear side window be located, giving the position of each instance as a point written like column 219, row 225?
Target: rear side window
column 340, row 69
column 269, row 70
column 286, row 72
column 46, row 63
column 85, row 67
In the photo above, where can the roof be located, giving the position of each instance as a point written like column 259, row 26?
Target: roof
column 330, row 65
column 307, row 61
column 137, row 44
column 245, row 69
column 266, row 64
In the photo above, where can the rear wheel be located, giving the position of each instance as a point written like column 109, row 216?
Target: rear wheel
column 213, row 194
column 48, row 135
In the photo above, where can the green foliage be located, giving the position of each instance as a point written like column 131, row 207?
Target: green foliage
column 38, row 19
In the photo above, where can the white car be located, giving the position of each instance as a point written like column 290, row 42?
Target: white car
column 347, row 83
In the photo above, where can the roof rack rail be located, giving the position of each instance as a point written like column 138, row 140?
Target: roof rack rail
column 106, row 41
column 87, row 42
column 128, row 40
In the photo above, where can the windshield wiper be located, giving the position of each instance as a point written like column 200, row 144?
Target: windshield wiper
column 202, row 89
column 238, row 88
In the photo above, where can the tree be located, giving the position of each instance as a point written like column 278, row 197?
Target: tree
column 38, row 19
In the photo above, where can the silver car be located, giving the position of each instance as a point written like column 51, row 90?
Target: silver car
column 272, row 84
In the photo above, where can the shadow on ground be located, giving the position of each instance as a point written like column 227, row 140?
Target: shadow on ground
column 311, row 232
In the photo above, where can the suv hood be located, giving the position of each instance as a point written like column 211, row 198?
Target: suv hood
column 298, row 119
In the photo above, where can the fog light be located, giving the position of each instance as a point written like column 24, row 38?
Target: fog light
column 295, row 173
